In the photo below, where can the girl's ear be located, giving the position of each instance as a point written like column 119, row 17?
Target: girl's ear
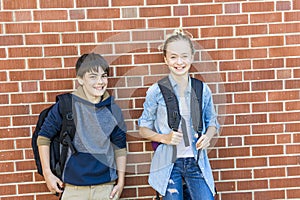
column 165, row 59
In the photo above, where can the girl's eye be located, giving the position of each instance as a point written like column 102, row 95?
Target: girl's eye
column 104, row 75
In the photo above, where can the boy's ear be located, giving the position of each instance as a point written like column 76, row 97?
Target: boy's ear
column 80, row 80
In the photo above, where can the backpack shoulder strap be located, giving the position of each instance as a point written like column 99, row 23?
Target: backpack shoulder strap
column 68, row 129
column 196, row 105
column 171, row 103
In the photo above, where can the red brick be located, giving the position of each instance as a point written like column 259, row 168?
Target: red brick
column 284, row 74
column 283, row 5
column 77, row 14
column 284, row 182
column 198, row 21
column 284, row 28
column 155, row 11
column 80, row 3
column 19, row 4
column 284, row 139
column 256, row 140
column 6, row 16
column 29, row 86
column 6, row 145
column 27, row 197
column 56, row 4
column 267, row 150
column 234, row 141
column 284, row 51
column 26, row 75
column 269, row 194
column 8, row 190
column 148, row 58
column 237, row 195
column 103, row 13
column 11, row 155
column 12, row 64
column 292, row 149
column 293, row 194
column 293, row 171
column 9, row 87
column 116, row 36
column 233, row 43
column 14, row 132
column 78, row 38
column 216, row 32
column 235, row 65
column 181, row 10
column 11, row 40
column 251, row 162
column 267, row 85
column 23, row 16
column 265, row 18
column 44, row 63
column 146, row 35
column 163, row 23
column 232, row 8
column 258, row 7
column 251, row 119
column 25, row 52
column 234, row 152
column 56, row 85
column 236, row 174
column 232, row 19
column 236, row 87
column 284, row 117
column 268, row 63
column 42, row 39
column 58, row 26
column 292, row 62
column 161, row 2
column 267, row 129
column 250, row 97
column 251, row 53
column 128, row 3
column 94, row 25
column 50, row 15
column 14, row 178
column 252, row 185
column 138, row 158
column 217, row 55
column 22, row 28
column 251, row 30
column 294, row 105
column 292, row 39
column 32, row 188
column 286, row 95
column 284, row 160
column 222, row 164
column 61, row 73
column 14, row 110
column 267, row 107
column 267, row 41
column 296, row 5
column 22, row 121
column 60, row 50
column 6, row 167
column 292, row 16
column 206, row 9
column 27, row 98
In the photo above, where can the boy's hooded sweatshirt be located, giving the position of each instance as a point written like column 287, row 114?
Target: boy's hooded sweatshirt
column 100, row 133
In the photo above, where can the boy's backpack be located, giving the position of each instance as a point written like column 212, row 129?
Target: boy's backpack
column 62, row 141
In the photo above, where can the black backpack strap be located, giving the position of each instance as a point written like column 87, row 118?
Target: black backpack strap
column 171, row 103
column 68, row 129
column 196, row 105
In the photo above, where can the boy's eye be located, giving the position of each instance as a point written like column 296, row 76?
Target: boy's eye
column 104, row 75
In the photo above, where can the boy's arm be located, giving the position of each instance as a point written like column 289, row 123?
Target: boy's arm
column 121, row 167
column 51, row 180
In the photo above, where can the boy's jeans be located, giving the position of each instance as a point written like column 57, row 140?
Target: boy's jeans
column 190, row 171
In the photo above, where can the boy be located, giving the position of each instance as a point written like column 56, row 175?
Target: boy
column 100, row 138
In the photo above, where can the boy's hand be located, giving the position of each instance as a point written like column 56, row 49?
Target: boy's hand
column 203, row 142
column 54, row 184
column 173, row 138
column 116, row 192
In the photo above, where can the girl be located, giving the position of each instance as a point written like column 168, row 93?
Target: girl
column 191, row 163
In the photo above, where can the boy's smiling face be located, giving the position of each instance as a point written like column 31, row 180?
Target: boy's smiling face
column 94, row 84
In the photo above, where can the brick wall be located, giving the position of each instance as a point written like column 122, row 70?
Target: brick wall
column 247, row 51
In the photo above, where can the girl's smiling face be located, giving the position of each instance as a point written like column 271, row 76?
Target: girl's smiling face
column 179, row 57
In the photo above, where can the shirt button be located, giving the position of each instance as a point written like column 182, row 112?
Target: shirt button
column 196, row 135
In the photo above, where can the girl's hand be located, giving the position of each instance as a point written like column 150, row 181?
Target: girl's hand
column 203, row 142
column 173, row 138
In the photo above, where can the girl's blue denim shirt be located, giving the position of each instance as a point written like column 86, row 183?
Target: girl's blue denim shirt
column 155, row 116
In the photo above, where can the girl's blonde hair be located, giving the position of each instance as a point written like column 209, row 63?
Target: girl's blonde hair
column 177, row 35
